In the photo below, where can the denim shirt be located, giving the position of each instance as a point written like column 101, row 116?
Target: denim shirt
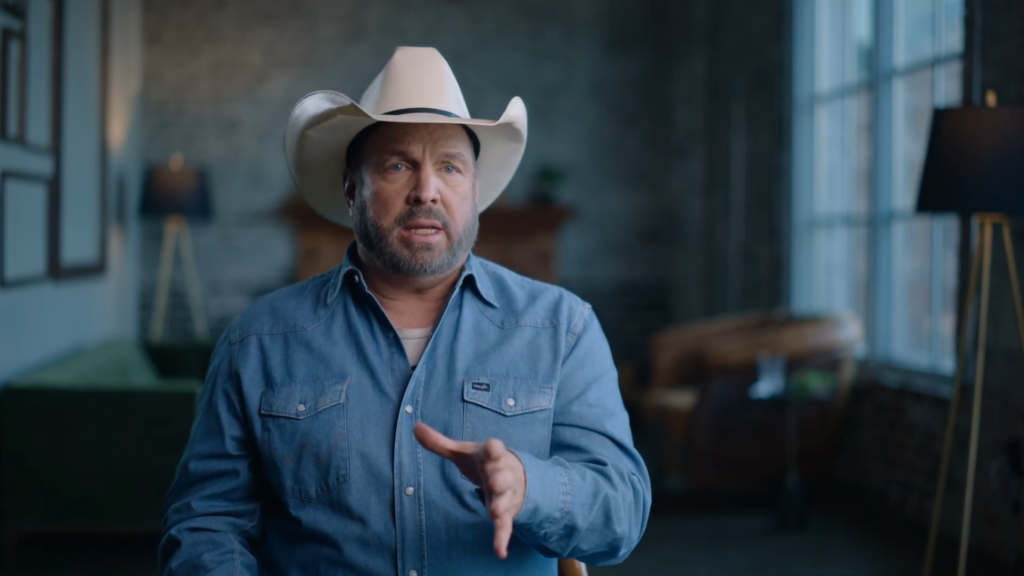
column 302, row 458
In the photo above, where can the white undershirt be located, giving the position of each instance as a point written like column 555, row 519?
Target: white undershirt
column 415, row 341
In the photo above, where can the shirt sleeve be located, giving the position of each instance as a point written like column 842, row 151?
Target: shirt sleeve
column 591, row 499
column 212, row 511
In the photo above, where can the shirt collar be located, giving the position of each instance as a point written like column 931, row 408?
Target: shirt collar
column 471, row 270
column 481, row 279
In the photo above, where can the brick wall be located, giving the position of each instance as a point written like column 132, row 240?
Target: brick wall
column 631, row 99
column 892, row 448
column 729, row 127
column 894, row 438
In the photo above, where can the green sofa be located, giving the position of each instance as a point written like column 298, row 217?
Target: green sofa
column 91, row 443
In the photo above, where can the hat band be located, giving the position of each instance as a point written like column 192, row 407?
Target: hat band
column 472, row 135
column 421, row 111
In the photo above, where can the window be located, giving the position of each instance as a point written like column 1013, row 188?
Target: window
column 866, row 77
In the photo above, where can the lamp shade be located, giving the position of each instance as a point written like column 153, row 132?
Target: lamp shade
column 180, row 191
column 975, row 162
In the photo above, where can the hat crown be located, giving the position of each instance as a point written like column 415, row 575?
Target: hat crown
column 415, row 78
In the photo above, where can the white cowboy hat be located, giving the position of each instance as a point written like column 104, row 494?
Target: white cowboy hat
column 416, row 86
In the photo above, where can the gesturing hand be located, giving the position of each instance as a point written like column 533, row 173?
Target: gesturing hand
column 492, row 467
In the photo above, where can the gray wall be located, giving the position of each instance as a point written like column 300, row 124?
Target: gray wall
column 730, row 127
column 43, row 321
column 628, row 98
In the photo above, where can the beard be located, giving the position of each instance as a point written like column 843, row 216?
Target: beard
column 420, row 259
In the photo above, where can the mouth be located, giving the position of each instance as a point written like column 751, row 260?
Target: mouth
column 423, row 230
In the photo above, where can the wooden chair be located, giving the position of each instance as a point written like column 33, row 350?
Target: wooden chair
column 710, row 432
column 569, row 567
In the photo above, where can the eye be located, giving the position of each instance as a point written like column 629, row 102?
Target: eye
column 449, row 169
column 396, row 167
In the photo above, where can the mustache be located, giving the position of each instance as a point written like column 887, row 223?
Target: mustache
column 424, row 212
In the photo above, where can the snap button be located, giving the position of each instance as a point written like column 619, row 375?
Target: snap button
column 511, row 401
column 301, row 407
column 412, row 573
column 408, row 409
column 409, row 490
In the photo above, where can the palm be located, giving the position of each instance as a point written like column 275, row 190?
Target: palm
column 469, row 466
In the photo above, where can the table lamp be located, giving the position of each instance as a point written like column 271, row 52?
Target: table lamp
column 177, row 193
column 974, row 166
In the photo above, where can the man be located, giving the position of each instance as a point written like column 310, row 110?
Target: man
column 416, row 410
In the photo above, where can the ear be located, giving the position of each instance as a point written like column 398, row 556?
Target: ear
column 349, row 188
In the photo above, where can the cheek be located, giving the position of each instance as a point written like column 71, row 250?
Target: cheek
column 460, row 208
column 385, row 207
column 461, row 194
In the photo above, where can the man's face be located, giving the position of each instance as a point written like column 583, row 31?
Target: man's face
column 414, row 198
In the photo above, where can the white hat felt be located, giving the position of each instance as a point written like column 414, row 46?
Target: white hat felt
column 416, row 86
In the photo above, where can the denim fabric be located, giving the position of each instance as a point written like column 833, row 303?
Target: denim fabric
column 302, row 458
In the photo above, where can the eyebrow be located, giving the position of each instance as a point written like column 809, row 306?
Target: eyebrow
column 455, row 154
column 393, row 153
column 405, row 155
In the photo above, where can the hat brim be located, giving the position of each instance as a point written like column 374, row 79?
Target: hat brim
column 322, row 125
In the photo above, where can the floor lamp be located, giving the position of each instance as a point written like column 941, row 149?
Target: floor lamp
column 974, row 166
column 177, row 193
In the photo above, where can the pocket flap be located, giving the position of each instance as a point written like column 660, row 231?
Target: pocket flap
column 301, row 400
column 508, row 396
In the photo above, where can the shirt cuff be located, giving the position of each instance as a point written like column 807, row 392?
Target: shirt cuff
column 547, row 494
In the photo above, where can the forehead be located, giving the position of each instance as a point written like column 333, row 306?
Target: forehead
column 411, row 138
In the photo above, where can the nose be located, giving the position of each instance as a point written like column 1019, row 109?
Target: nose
column 425, row 190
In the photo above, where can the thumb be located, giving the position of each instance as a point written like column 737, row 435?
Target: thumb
column 440, row 444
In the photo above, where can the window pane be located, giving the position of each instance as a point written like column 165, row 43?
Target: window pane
column 828, row 159
column 910, row 292
column 949, row 84
column 838, row 271
column 844, row 43
column 842, row 204
column 842, row 157
column 859, row 177
column 914, row 31
column 860, row 41
column 828, row 45
column 945, row 353
column 912, row 117
column 952, row 35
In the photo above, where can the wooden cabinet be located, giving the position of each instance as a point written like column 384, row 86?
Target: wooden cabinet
column 524, row 239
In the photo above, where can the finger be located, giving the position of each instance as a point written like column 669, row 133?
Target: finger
column 492, row 467
column 494, row 449
column 481, row 479
column 500, row 482
column 440, row 444
column 502, row 534
column 500, row 506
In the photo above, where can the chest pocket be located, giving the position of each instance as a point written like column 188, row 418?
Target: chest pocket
column 305, row 438
column 517, row 412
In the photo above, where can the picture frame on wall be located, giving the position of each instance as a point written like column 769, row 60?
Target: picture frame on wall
column 12, row 85
column 79, row 211
column 40, row 110
column 24, row 241
column 53, row 76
